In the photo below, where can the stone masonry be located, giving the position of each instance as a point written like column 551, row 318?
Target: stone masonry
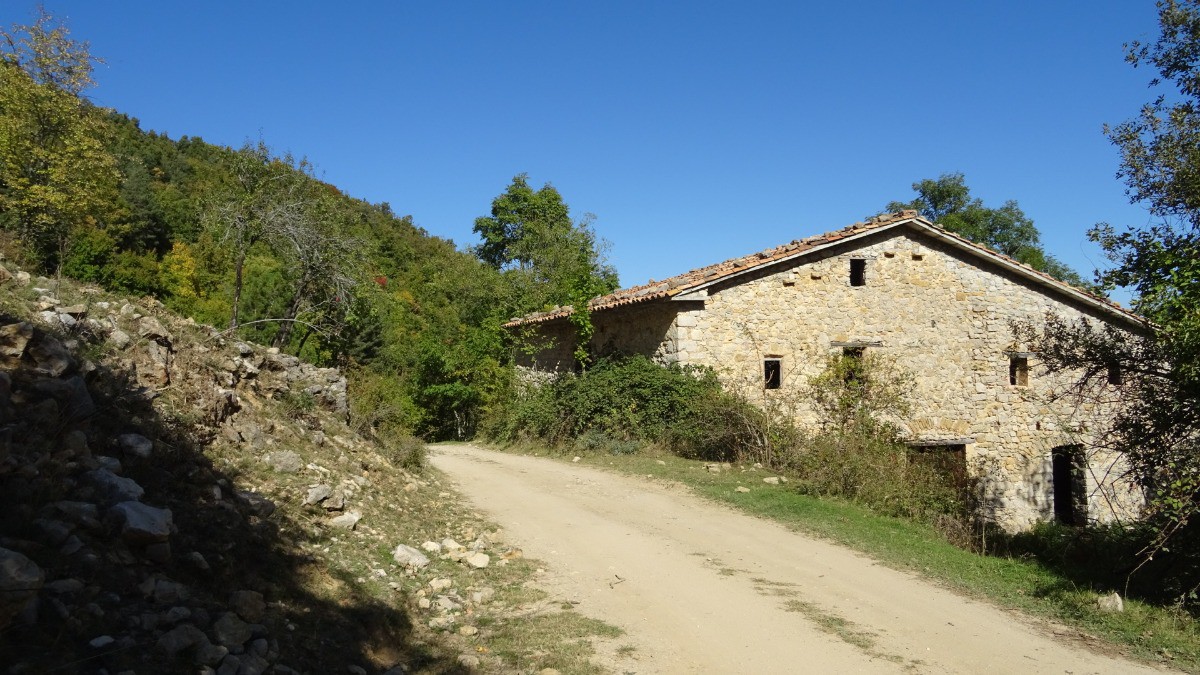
column 940, row 307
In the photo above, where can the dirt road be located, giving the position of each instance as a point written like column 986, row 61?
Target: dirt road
column 699, row 588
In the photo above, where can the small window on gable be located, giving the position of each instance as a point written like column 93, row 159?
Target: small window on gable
column 1115, row 377
column 772, row 373
column 858, row 272
column 1018, row 371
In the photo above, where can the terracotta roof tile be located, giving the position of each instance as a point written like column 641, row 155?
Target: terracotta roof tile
column 667, row 288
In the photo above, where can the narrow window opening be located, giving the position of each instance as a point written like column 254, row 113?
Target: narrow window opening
column 858, row 272
column 1115, row 376
column 1018, row 371
column 1069, row 484
column 772, row 373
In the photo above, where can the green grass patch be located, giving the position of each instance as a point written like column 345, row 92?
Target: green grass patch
column 560, row 640
column 1162, row 634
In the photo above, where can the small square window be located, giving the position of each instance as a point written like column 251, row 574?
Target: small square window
column 772, row 373
column 858, row 272
column 1018, row 371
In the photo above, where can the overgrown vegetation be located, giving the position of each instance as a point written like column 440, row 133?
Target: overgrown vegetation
column 622, row 403
column 250, row 239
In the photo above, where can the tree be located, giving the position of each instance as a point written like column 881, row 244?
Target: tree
column 947, row 201
column 548, row 259
column 531, row 231
column 55, row 174
column 266, row 197
column 320, row 260
column 46, row 52
column 1156, row 371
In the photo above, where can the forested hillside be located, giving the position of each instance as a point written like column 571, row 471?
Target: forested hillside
column 249, row 240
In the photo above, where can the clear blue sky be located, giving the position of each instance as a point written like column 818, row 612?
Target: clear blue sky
column 693, row 131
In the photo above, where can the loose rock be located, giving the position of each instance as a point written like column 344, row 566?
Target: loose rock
column 347, row 520
column 136, row 445
column 248, row 604
column 142, row 524
column 318, row 494
column 1110, row 603
column 285, row 461
column 181, row 637
column 112, row 488
column 409, row 557
column 230, row 631
column 101, row 642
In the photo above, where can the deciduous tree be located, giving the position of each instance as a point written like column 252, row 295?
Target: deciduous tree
column 55, row 174
column 267, row 196
column 547, row 258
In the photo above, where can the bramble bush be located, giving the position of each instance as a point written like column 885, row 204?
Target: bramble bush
column 625, row 399
column 623, row 403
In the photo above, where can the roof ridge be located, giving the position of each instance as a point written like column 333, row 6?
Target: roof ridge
column 674, row 285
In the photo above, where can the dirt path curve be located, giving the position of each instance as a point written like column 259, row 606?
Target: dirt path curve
column 699, row 588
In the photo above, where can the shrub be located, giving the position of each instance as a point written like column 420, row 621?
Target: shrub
column 88, row 255
column 598, row 441
column 404, row 450
column 866, row 388
column 380, row 407
column 135, row 273
column 874, row 469
column 723, row 426
column 625, row 399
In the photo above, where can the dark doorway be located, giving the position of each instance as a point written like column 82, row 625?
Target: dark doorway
column 1070, row 487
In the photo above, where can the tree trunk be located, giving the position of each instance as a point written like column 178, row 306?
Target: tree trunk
column 237, row 289
column 285, row 326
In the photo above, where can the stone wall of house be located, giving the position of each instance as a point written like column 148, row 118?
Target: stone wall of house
column 547, row 349
column 940, row 316
column 649, row 329
column 638, row 329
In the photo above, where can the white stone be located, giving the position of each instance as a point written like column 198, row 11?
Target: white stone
column 409, row 557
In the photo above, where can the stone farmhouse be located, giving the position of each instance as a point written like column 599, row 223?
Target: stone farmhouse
column 939, row 305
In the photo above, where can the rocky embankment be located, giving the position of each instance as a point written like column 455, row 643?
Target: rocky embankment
column 174, row 500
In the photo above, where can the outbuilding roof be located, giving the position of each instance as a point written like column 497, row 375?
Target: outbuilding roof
column 703, row 277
